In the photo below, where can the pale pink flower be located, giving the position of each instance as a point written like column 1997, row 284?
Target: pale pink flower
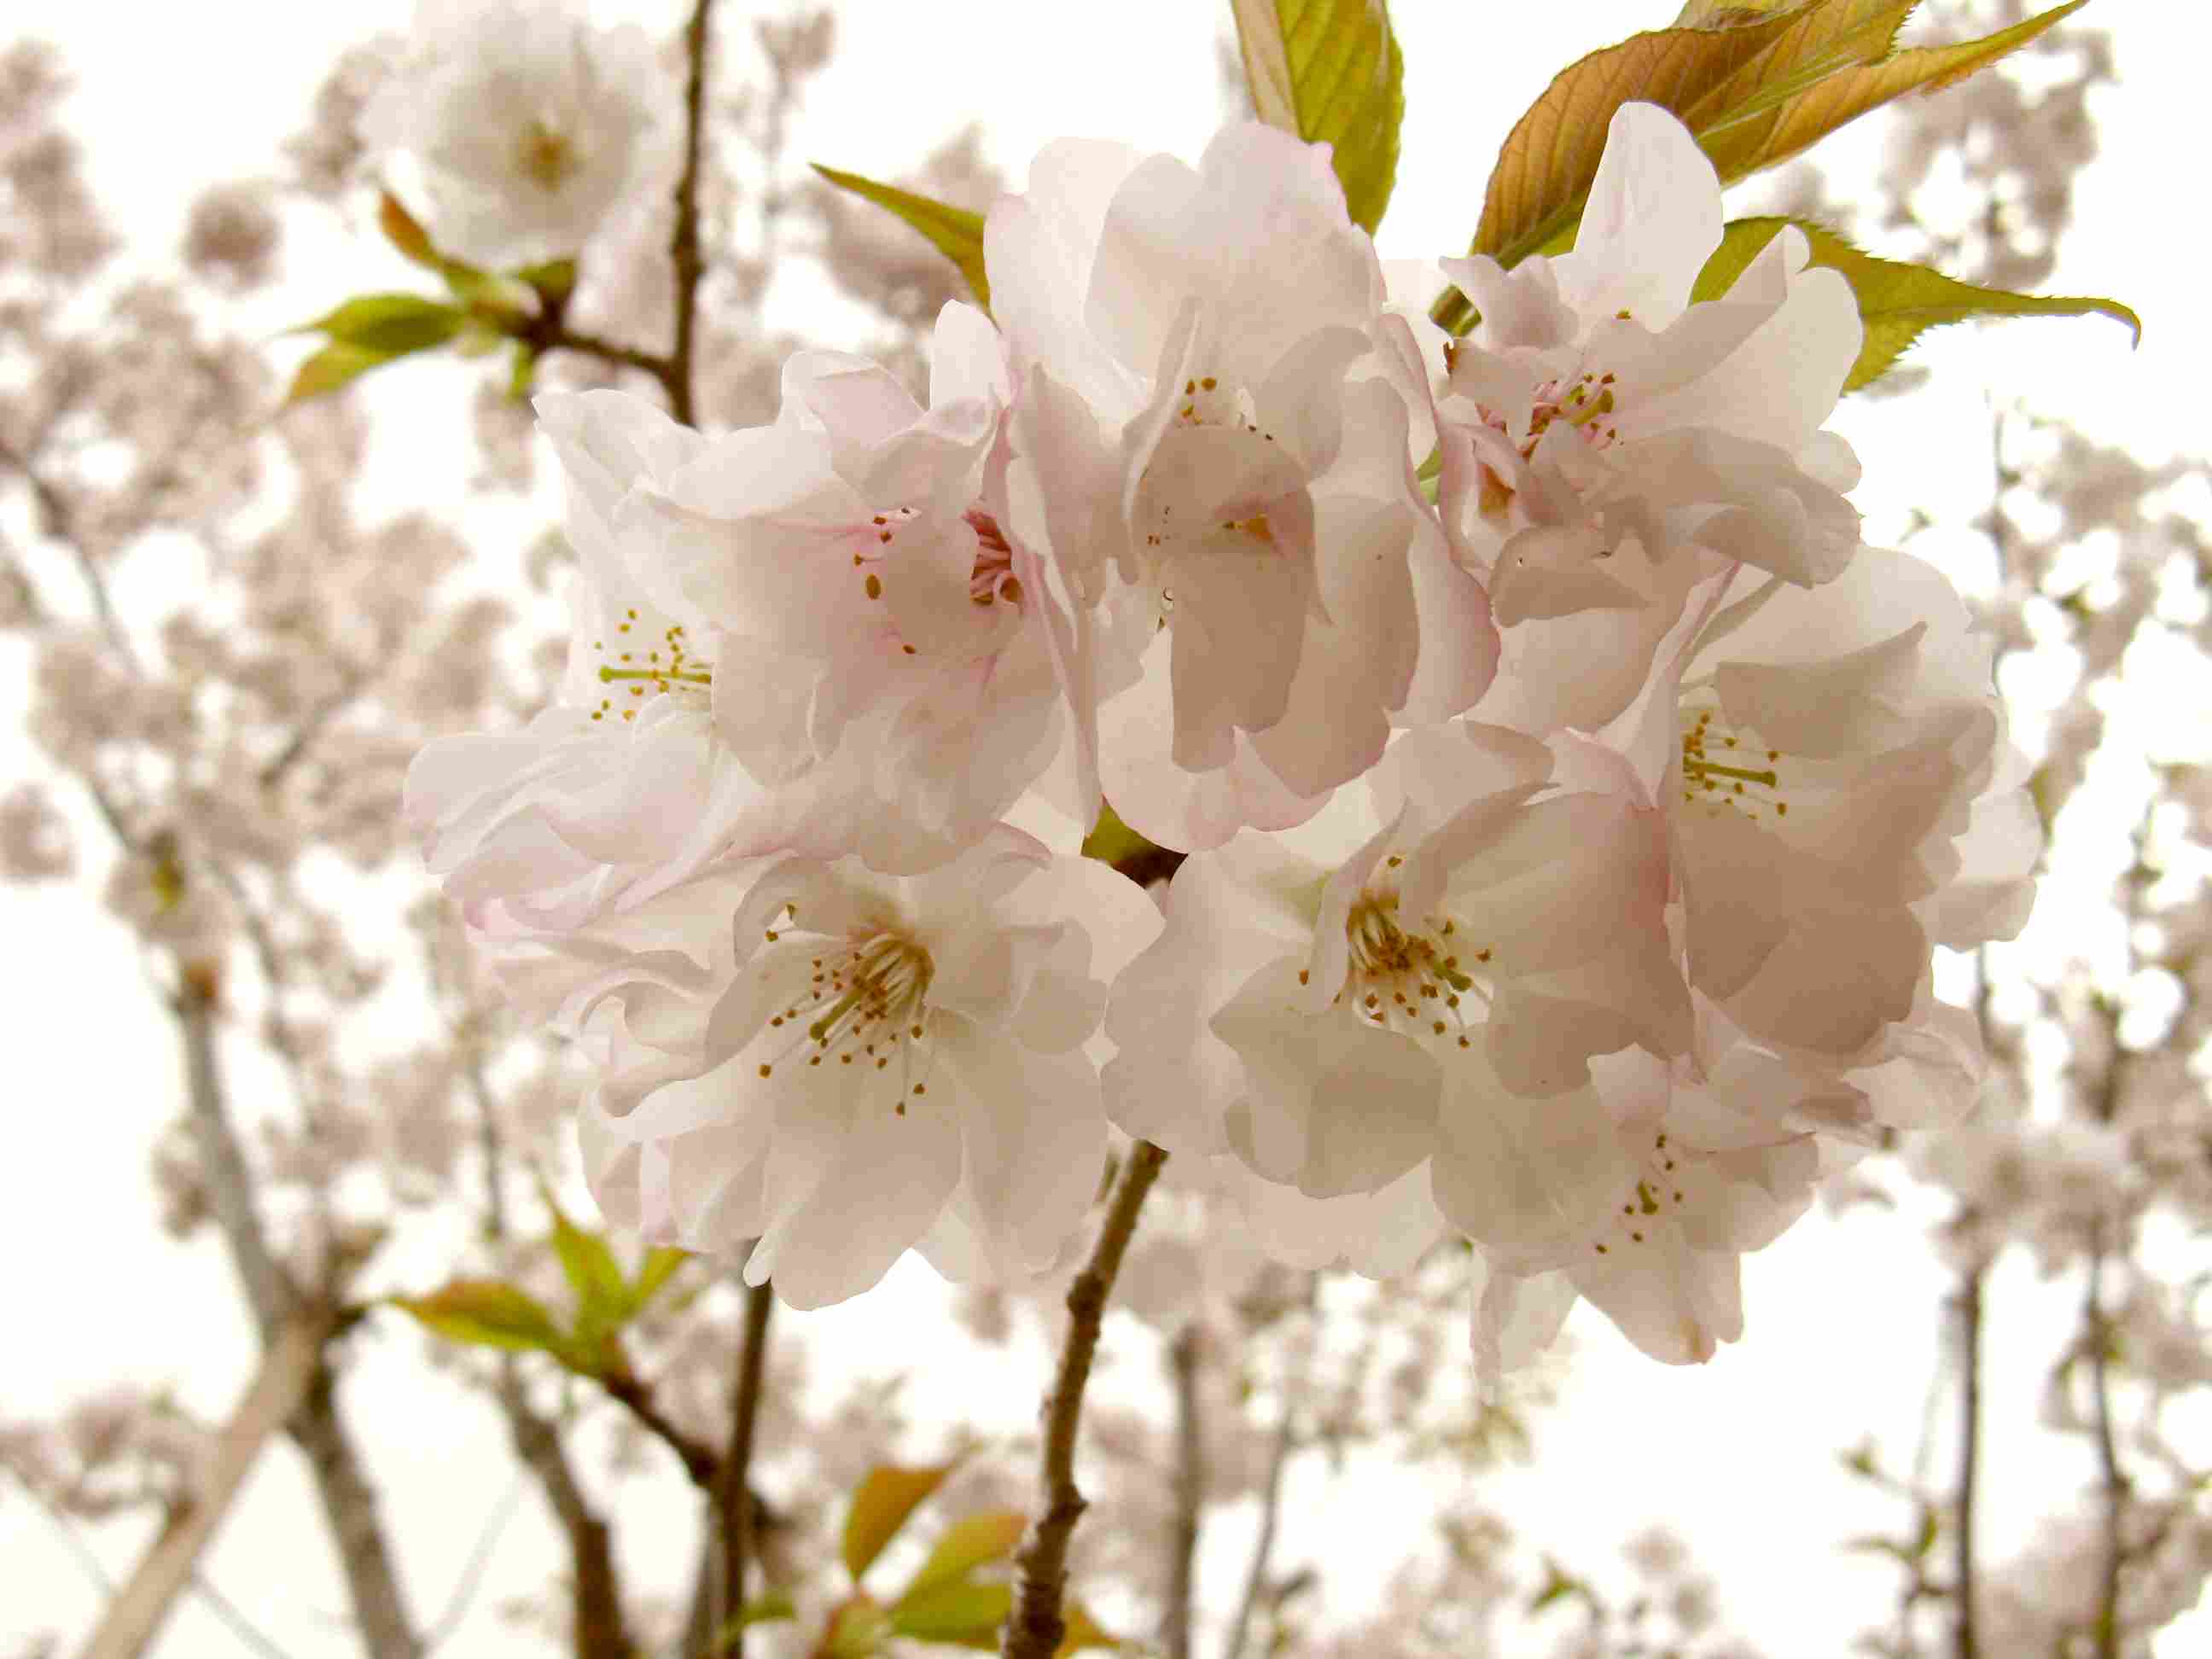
column 1424, row 973
column 881, row 629
column 848, row 1065
column 1829, row 762
column 1214, row 445
column 531, row 126
column 1605, row 442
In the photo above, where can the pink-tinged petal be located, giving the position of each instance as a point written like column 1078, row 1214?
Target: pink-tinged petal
column 609, row 440
column 1336, row 1106
column 1535, row 1177
column 1033, row 1139
column 849, row 1188
column 1519, row 308
column 1227, row 913
column 1439, row 771
column 1377, row 1235
column 1170, row 805
column 1546, row 1027
column 1038, row 251
column 967, row 360
column 1517, row 1317
column 1782, row 381
column 711, row 1185
column 1677, row 1304
column 1652, row 220
column 1459, row 646
column 1118, row 918
column 856, row 403
column 926, row 591
column 1559, row 881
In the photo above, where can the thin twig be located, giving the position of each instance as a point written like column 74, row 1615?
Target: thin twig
column 65, row 1529
column 472, row 1570
column 349, row 1502
column 2115, row 1482
column 1263, row 1547
column 1184, row 1354
column 599, row 1630
column 292, row 1357
column 239, row 1624
column 733, row 1516
column 1963, row 1638
column 632, row 1392
column 58, row 518
column 683, row 243
column 1035, row 1628
column 561, row 338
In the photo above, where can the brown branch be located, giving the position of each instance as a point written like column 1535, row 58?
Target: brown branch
column 1035, row 1628
column 631, row 1391
column 58, row 518
column 134, row 1618
column 1263, row 1547
column 683, row 243
column 1963, row 1637
column 599, row 1630
column 1183, row 1357
column 348, row 1500
column 557, row 336
column 735, row 1512
column 2115, row 1481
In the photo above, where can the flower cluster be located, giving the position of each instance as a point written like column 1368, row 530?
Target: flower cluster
column 1571, row 803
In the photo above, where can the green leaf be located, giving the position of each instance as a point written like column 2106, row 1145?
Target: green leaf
column 857, row 1630
column 1755, row 84
column 885, row 1499
column 1756, row 134
column 404, row 232
column 1543, row 172
column 955, row 232
column 487, row 1312
column 330, row 368
column 964, row 1611
column 964, row 1546
column 765, row 1609
column 1727, row 13
column 659, row 1264
column 1897, row 301
column 555, row 279
column 522, row 374
column 390, row 324
column 1330, row 71
column 602, row 1293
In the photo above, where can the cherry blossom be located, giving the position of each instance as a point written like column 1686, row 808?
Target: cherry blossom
column 1605, row 442
column 1424, row 973
column 853, row 556
column 530, row 125
column 1213, row 391
column 847, row 1065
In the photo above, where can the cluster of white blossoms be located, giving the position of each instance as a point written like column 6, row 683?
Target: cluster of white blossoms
column 1572, row 803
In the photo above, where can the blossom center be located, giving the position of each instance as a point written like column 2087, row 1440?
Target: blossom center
column 641, row 670
column 1408, row 979
column 992, row 578
column 864, row 1005
column 546, row 157
column 1721, row 770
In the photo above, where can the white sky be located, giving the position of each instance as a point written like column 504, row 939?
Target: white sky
column 1739, row 1455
